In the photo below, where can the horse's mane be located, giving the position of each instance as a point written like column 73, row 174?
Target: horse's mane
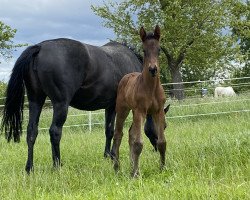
column 133, row 49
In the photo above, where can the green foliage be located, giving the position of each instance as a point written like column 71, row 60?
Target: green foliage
column 241, row 25
column 241, row 29
column 208, row 157
column 3, row 87
column 195, row 34
column 6, row 44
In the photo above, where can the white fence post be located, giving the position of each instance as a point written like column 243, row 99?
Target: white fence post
column 90, row 121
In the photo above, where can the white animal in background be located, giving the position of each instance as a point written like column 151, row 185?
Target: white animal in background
column 224, row 92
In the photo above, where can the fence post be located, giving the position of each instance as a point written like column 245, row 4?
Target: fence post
column 90, row 121
column 201, row 87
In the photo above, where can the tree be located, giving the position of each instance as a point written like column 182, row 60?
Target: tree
column 241, row 29
column 194, row 33
column 6, row 43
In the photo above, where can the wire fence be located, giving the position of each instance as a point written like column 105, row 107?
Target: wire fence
column 192, row 103
column 90, row 125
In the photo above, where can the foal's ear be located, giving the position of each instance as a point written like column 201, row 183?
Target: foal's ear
column 157, row 33
column 143, row 34
column 166, row 109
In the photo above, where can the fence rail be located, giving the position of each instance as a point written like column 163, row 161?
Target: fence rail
column 91, row 122
column 173, row 117
column 206, row 81
column 90, row 114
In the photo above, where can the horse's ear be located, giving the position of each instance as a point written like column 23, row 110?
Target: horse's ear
column 143, row 34
column 166, row 109
column 157, row 33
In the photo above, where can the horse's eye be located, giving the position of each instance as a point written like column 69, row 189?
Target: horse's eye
column 159, row 51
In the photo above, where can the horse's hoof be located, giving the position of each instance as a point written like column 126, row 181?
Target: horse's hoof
column 29, row 169
column 57, row 165
column 116, row 167
column 162, row 167
column 135, row 174
column 106, row 154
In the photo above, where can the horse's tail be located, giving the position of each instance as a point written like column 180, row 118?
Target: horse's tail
column 13, row 108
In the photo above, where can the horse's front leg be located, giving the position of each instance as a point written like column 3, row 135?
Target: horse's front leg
column 135, row 141
column 60, row 111
column 120, row 119
column 161, row 142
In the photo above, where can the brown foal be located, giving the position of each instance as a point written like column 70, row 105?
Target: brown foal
column 143, row 94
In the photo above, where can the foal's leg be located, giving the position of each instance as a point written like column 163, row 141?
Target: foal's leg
column 35, row 107
column 120, row 119
column 60, row 111
column 161, row 142
column 109, row 128
column 135, row 141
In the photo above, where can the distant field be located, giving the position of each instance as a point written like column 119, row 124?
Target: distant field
column 208, row 157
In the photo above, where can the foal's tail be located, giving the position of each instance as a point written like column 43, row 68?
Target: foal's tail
column 13, row 108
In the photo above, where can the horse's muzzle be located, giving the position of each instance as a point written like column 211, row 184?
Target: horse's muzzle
column 153, row 71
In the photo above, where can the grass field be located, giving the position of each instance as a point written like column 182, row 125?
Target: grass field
column 208, row 157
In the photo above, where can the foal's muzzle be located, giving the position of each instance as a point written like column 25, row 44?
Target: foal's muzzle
column 153, row 71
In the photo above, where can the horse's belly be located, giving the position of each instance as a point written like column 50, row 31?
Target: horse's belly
column 92, row 100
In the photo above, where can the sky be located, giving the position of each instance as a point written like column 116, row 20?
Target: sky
column 40, row 20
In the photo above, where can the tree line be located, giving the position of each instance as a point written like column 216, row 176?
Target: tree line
column 200, row 39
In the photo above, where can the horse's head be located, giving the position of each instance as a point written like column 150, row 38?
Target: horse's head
column 151, row 49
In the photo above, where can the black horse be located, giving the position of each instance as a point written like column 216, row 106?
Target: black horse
column 70, row 73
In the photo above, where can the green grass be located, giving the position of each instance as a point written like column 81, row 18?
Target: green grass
column 208, row 157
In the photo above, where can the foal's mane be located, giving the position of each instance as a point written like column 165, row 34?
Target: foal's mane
column 150, row 36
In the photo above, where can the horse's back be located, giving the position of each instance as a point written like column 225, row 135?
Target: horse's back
column 86, row 76
column 124, row 59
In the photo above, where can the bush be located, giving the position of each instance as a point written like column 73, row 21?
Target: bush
column 3, row 87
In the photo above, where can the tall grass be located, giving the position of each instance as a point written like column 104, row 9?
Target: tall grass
column 208, row 157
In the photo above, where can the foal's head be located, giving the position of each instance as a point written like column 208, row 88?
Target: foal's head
column 151, row 49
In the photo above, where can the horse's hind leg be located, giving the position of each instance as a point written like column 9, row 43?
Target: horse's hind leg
column 109, row 128
column 136, row 142
column 60, row 111
column 35, row 107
